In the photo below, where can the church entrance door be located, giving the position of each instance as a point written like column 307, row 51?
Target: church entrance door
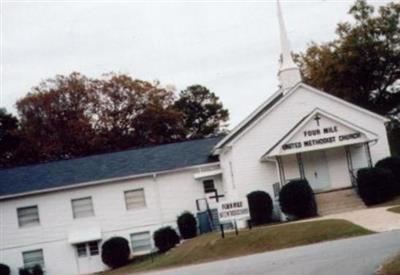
column 316, row 170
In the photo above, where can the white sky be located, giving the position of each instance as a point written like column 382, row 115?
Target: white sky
column 230, row 47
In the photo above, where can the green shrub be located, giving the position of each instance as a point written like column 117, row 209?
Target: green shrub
column 4, row 269
column 165, row 238
column 296, row 199
column 187, row 225
column 375, row 185
column 392, row 164
column 115, row 252
column 35, row 270
column 24, row 271
column 260, row 207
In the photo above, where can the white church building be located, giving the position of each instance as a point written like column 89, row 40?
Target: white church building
column 58, row 214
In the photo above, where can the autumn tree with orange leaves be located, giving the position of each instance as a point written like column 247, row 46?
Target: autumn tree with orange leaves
column 72, row 116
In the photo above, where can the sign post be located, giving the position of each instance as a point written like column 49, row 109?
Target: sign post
column 232, row 211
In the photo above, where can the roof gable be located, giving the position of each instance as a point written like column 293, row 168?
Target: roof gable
column 342, row 101
column 273, row 102
column 319, row 130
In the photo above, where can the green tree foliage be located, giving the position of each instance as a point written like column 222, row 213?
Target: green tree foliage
column 9, row 139
column 362, row 65
column 203, row 113
column 72, row 116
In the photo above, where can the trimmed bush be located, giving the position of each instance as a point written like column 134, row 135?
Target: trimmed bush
column 392, row 164
column 4, row 269
column 296, row 198
column 375, row 185
column 260, row 206
column 187, row 225
column 24, row 271
column 115, row 252
column 165, row 238
column 35, row 270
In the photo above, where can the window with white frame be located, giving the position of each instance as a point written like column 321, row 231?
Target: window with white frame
column 28, row 216
column 81, row 250
column 86, row 249
column 33, row 258
column 82, row 207
column 93, row 248
column 141, row 242
column 135, row 199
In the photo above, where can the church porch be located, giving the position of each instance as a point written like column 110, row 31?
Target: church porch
column 331, row 174
column 325, row 170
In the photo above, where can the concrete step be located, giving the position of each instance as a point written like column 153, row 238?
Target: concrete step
column 338, row 201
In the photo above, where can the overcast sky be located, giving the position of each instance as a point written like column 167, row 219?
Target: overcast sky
column 230, row 47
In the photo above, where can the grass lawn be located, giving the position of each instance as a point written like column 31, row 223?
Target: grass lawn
column 391, row 267
column 211, row 247
column 395, row 209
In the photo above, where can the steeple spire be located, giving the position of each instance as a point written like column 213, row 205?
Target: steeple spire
column 289, row 73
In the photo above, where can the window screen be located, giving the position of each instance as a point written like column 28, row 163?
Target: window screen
column 32, row 258
column 135, row 199
column 208, row 186
column 28, row 216
column 141, row 242
column 82, row 208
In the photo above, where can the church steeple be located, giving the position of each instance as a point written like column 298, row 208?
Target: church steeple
column 289, row 73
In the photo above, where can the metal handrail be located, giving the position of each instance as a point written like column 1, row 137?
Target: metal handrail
column 353, row 177
column 209, row 214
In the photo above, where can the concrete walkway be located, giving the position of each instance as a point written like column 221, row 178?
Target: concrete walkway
column 376, row 219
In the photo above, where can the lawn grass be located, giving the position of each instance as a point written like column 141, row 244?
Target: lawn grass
column 211, row 247
column 395, row 209
column 391, row 267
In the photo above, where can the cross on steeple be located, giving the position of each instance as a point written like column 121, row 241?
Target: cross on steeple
column 317, row 119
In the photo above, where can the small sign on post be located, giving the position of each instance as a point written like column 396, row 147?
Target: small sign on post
column 232, row 211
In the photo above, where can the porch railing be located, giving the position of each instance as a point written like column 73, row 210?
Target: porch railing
column 353, row 177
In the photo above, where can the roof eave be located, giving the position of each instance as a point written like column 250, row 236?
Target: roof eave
column 98, row 182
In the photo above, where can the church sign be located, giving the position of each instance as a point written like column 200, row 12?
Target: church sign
column 233, row 210
column 321, row 132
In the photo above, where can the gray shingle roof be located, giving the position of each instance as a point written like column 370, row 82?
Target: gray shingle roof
column 106, row 166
